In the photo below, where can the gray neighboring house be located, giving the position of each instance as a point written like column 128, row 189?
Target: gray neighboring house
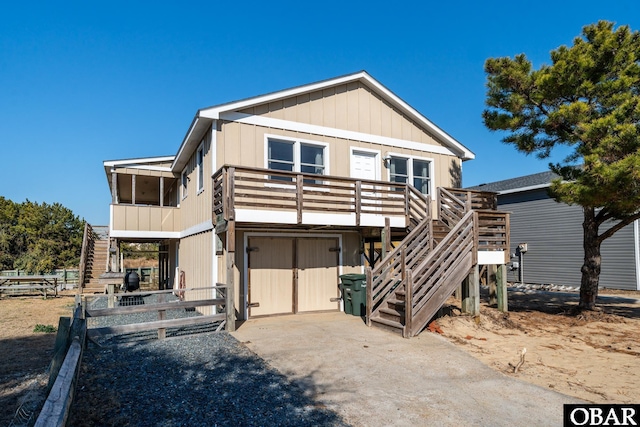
column 553, row 234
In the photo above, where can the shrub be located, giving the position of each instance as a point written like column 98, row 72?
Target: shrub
column 47, row 329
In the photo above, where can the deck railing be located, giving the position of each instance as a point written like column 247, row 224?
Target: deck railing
column 304, row 195
column 420, row 274
column 453, row 203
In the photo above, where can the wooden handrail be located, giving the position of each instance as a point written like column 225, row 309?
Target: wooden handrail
column 87, row 245
column 438, row 274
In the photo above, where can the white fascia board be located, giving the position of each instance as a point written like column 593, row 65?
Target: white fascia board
column 491, row 257
column 137, row 162
column 521, row 189
column 147, row 168
column 184, row 142
column 128, row 234
column 215, row 112
column 198, row 228
column 463, row 151
column 190, row 142
column 261, row 216
column 333, row 132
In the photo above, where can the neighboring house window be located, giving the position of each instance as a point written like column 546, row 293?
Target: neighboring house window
column 416, row 172
column 295, row 156
column 200, row 167
column 185, row 181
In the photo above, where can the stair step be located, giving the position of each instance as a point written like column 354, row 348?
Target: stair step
column 391, row 314
column 396, row 304
column 387, row 324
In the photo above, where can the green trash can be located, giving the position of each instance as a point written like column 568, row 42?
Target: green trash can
column 355, row 297
column 346, row 292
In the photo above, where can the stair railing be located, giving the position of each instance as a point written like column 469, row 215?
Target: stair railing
column 390, row 273
column 87, row 248
column 440, row 272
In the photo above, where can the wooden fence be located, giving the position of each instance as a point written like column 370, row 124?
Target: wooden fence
column 159, row 302
column 64, row 275
column 72, row 335
column 64, row 371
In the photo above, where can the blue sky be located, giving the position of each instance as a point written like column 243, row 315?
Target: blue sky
column 83, row 82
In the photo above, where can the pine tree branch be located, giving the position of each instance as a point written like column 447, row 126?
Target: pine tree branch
column 623, row 223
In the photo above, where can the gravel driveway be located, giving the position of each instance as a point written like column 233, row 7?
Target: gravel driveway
column 204, row 379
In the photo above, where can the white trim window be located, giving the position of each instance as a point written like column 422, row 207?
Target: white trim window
column 184, row 180
column 414, row 171
column 200, row 168
column 296, row 156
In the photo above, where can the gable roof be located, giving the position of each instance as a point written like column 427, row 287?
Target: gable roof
column 522, row 183
column 204, row 117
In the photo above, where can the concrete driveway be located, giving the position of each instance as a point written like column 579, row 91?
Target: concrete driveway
column 376, row 378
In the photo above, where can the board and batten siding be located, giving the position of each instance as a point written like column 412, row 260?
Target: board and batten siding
column 195, row 260
column 553, row 232
column 353, row 107
column 196, row 206
column 244, row 144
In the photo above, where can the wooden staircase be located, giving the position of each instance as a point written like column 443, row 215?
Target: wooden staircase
column 407, row 288
column 95, row 254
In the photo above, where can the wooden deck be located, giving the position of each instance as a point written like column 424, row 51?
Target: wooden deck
column 252, row 195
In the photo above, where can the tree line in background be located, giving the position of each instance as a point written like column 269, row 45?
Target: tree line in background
column 38, row 238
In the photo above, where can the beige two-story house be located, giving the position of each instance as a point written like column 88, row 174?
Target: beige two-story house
column 280, row 194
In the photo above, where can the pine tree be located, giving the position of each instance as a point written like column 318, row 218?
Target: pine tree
column 587, row 99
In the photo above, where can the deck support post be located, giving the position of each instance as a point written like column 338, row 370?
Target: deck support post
column 407, row 331
column 162, row 315
column 491, row 282
column 111, row 298
column 229, row 294
column 369, row 295
column 386, row 238
column 471, row 292
column 501, row 291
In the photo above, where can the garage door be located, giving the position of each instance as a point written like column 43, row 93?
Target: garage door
column 291, row 275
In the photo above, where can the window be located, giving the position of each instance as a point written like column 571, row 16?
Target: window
column 398, row 171
column 421, row 178
column 280, row 156
column 416, row 172
column 296, row 156
column 184, row 182
column 200, row 167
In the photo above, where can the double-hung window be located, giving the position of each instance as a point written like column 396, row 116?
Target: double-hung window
column 296, row 156
column 200, row 167
column 407, row 170
column 183, row 184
